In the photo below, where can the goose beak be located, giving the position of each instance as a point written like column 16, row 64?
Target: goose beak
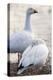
column 35, row 11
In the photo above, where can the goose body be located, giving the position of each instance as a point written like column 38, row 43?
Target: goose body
column 19, row 41
column 35, row 54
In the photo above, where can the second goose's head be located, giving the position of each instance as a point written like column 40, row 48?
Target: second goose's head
column 31, row 11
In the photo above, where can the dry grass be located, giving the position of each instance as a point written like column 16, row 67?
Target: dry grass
column 32, row 70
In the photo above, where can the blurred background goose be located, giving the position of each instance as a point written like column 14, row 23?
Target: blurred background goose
column 35, row 54
column 19, row 41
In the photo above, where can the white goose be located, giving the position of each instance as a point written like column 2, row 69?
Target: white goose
column 19, row 41
column 35, row 54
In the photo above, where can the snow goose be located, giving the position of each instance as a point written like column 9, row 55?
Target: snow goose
column 19, row 41
column 35, row 54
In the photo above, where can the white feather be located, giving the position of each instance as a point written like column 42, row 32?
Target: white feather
column 36, row 55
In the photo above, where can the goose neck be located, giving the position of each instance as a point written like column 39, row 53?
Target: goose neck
column 27, row 23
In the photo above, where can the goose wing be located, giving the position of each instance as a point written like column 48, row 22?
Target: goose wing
column 25, row 57
column 40, row 54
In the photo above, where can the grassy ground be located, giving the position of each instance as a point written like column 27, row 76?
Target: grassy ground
column 32, row 70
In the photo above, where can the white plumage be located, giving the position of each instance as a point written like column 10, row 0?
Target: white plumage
column 19, row 41
column 35, row 54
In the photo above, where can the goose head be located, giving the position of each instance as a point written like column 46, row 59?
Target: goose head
column 31, row 11
column 37, row 42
